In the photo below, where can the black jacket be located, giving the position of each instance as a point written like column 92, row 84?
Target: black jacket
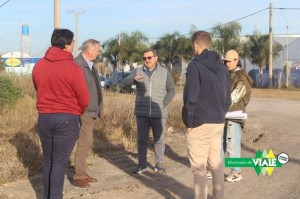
column 206, row 94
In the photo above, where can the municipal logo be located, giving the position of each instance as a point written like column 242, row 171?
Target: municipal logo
column 263, row 162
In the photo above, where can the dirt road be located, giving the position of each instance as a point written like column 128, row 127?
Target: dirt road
column 271, row 124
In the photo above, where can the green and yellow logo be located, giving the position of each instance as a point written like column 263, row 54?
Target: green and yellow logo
column 263, row 162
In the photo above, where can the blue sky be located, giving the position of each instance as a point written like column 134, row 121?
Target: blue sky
column 104, row 19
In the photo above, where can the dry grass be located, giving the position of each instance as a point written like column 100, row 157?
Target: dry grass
column 20, row 151
column 284, row 94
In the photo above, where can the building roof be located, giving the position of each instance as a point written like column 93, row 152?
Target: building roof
column 15, row 54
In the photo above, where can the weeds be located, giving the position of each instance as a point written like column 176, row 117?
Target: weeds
column 20, row 150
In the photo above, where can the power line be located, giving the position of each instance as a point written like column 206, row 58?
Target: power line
column 238, row 19
column 39, row 52
column 241, row 18
column 221, row 24
column 287, row 8
column 4, row 3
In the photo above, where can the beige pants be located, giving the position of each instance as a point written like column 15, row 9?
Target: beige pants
column 204, row 145
column 84, row 144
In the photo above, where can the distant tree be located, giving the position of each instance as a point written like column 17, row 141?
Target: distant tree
column 111, row 52
column 166, row 47
column 226, row 37
column 258, row 45
column 125, row 50
column 244, row 51
column 184, row 46
column 171, row 46
column 132, row 46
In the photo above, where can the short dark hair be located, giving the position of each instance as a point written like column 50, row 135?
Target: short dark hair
column 150, row 50
column 202, row 38
column 61, row 37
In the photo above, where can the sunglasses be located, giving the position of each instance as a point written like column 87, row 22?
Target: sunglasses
column 148, row 58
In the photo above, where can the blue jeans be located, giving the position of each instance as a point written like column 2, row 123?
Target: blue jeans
column 232, row 141
column 58, row 134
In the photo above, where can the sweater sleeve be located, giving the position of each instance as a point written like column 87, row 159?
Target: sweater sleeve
column 190, row 95
column 129, row 80
column 170, row 90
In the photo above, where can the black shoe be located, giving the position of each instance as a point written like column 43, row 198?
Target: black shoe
column 159, row 167
column 140, row 170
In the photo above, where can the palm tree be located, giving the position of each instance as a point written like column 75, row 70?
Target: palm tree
column 226, row 37
column 166, row 48
column 172, row 46
column 259, row 51
column 111, row 52
column 126, row 49
column 131, row 47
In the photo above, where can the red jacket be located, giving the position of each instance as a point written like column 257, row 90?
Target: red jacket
column 60, row 84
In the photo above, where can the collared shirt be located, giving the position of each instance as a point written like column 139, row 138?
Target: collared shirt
column 90, row 63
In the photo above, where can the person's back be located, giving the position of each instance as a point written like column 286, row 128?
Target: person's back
column 206, row 100
column 62, row 96
column 212, row 100
column 59, row 80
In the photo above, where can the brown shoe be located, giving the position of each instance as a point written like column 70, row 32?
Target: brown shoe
column 90, row 179
column 81, row 182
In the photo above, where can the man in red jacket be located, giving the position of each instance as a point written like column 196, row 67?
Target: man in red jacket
column 62, row 96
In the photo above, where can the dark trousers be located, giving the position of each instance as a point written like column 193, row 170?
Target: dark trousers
column 158, row 128
column 58, row 134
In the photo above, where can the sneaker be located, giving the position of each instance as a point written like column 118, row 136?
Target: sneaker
column 140, row 170
column 234, row 177
column 208, row 175
column 159, row 167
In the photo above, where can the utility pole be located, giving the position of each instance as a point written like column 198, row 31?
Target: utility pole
column 287, row 68
column 119, row 54
column 56, row 14
column 76, row 13
column 270, row 49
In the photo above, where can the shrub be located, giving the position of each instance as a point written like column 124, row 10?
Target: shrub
column 8, row 92
column 1, row 65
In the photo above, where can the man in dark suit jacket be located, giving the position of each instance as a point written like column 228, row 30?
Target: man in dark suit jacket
column 90, row 50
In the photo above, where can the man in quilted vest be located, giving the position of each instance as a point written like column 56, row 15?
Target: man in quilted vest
column 155, row 90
